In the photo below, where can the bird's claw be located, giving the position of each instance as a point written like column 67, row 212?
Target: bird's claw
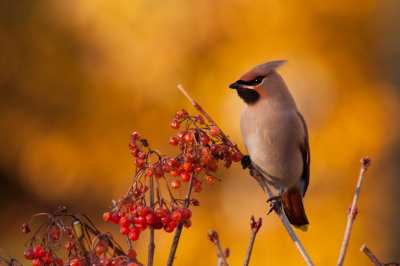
column 246, row 161
column 276, row 203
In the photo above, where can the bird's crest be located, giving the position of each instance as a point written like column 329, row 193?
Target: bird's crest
column 262, row 70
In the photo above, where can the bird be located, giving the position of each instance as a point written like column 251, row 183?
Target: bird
column 275, row 135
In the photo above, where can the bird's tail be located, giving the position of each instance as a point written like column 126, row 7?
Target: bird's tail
column 292, row 202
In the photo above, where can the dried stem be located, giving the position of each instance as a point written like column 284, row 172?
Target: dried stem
column 254, row 230
column 214, row 238
column 152, row 246
column 370, row 255
column 262, row 183
column 178, row 230
column 365, row 162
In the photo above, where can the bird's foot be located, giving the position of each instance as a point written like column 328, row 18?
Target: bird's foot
column 246, row 161
column 276, row 204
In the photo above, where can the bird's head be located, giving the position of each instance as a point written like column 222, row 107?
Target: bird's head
column 259, row 82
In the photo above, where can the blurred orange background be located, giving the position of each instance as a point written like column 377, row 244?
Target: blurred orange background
column 77, row 77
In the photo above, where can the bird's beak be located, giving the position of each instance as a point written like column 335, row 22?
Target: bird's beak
column 239, row 86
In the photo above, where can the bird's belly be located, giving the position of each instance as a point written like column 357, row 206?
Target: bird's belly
column 277, row 158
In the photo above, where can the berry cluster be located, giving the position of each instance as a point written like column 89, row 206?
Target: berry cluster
column 101, row 251
column 201, row 146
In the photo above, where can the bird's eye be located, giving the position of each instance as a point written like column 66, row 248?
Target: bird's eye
column 258, row 80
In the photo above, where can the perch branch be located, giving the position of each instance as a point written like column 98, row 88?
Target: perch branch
column 365, row 162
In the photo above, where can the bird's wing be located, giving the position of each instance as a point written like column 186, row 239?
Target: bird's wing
column 305, row 152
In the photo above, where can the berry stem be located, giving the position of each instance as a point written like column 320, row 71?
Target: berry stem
column 152, row 246
column 365, row 162
column 178, row 230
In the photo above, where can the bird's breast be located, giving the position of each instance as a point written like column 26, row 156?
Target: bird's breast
column 272, row 140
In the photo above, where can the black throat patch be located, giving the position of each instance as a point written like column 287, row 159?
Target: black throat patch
column 249, row 96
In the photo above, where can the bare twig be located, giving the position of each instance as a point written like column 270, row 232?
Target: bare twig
column 369, row 254
column 365, row 162
column 178, row 230
column 261, row 181
column 254, row 230
column 214, row 238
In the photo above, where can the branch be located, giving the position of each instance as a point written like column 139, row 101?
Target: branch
column 365, row 162
column 152, row 246
column 282, row 216
column 371, row 256
column 213, row 237
column 178, row 231
column 254, row 230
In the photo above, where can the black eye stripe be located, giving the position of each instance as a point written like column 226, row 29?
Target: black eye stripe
column 258, row 80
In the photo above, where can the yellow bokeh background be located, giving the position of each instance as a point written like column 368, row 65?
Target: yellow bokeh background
column 77, row 77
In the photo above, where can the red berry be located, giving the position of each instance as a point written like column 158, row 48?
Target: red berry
column 141, row 227
column 144, row 188
column 125, row 222
column 139, row 162
column 132, row 144
column 166, row 219
column 176, row 216
column 214, row 149
column 115, row 218
column 100, row 249
column 55, row 234
column 237, row 156
column 174, row 141
column 189, row 158
column 124, row 231
column 199, row 119
column 209, row 179
column 189, row 213
column 160, row 212
column 115, row 261
column 188, row 137
column 226, row 164
column 205, row 139
column 46, row 257
column 174, row 173
column 25, row 228
column 75, row 262
column 185, row 177
column 133, row 264
column 206, row 159
column 36, row 262
column 175, row 184
column 215, row 131
column 38, row 251
column 28, row 254
column 135, row 135
column 107, row 217
column 151, row 218
column 69, row 245
column 149, row 172
column 185, row 213
column 142, row 210
column 137, row 192
column 59, row 262
column 134, row 235
column 195, row 202
column 181, row 134
column 131, row 253
column 187, row 223
column 198, row 188
column 173, row 224
column 175, row 124
column 104, row 260
column 168, row 229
